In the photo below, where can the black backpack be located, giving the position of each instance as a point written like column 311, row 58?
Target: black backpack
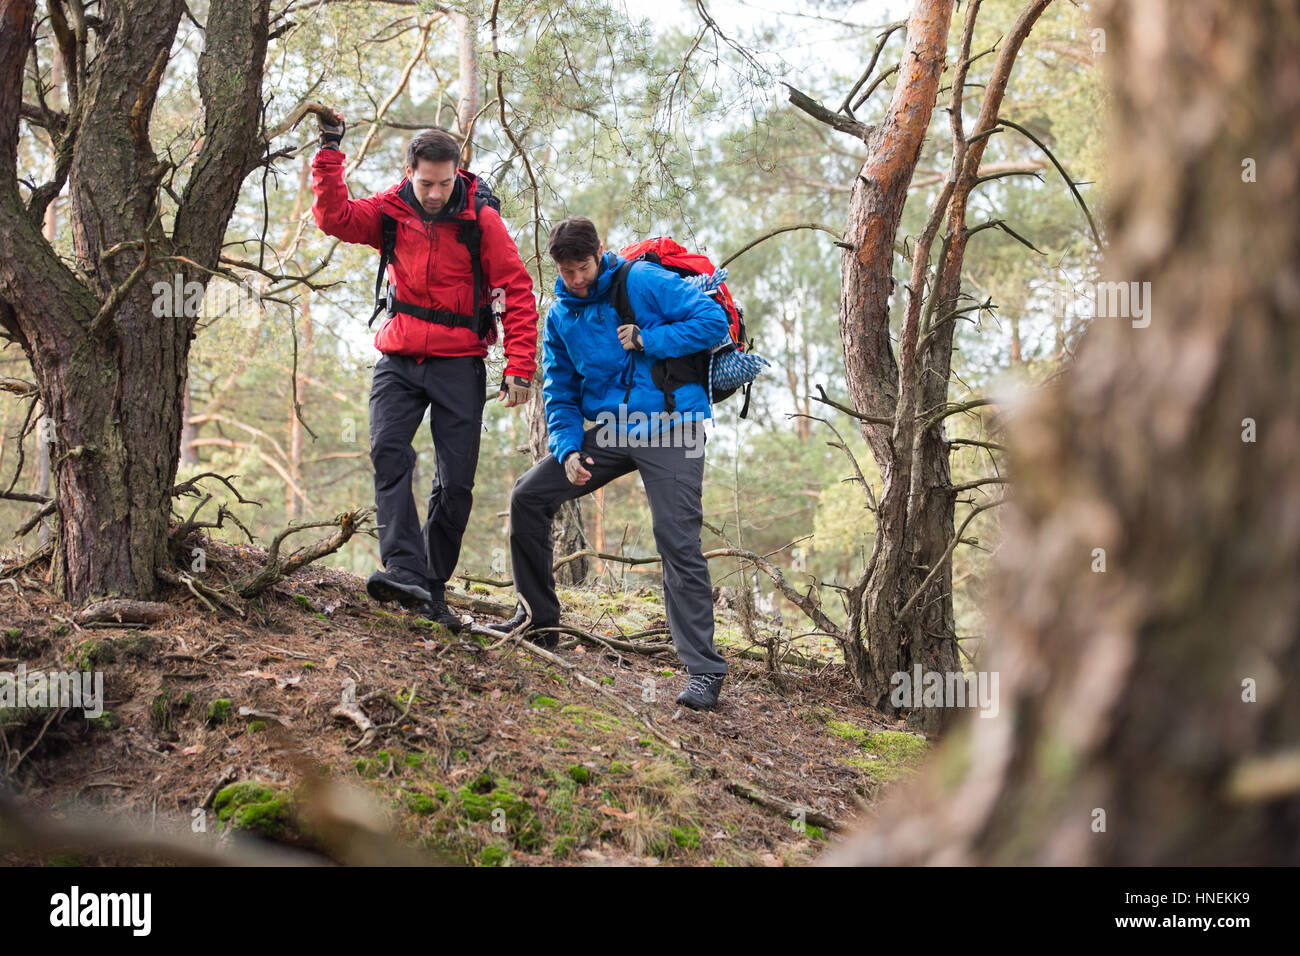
column 482, row 320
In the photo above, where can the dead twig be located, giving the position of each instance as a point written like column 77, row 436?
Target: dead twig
column 349, row 709
column 348, row 524
column 791, row 810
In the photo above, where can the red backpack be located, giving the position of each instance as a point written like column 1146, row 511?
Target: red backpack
column 672, row 373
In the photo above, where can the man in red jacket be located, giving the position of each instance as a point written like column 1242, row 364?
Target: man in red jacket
column 433, row 341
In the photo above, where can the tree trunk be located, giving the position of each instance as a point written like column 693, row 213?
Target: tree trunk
column 906, row 611
column 1145, row 619
column 111, row 369
column 875, row 211
column 467, row 108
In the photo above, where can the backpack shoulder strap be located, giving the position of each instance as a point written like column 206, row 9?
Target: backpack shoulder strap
column 387, row 243
column 618, row 294
column 472, row 236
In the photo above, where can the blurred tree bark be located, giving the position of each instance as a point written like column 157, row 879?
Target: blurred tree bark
column 1155, row 697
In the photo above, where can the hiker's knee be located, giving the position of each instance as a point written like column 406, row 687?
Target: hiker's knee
column 393, row 460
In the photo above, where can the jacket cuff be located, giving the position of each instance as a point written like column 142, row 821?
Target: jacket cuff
column 519, row 370
column 564, row 450
column 650, row 342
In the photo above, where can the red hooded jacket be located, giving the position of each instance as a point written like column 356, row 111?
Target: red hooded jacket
column 431, row 267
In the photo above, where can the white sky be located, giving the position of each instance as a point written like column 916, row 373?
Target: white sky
column 812, row 38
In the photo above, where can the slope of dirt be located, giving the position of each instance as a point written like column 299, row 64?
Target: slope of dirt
column 481, row 752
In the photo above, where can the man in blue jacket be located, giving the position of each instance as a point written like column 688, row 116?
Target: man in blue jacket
column 598, row 370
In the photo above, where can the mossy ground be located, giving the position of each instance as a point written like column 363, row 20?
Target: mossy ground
column 884, row 756
column 499, row 758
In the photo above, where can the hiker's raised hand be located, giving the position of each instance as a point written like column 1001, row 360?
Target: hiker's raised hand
column 574, row 471
column 331, row 134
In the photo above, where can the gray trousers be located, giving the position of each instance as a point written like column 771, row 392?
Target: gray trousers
column 673, row 483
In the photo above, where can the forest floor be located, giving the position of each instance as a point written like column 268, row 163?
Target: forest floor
column 220, row 737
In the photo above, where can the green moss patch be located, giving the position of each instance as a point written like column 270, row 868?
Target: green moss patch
column 257, row 808
column 889, row 754
column 488, row 799
column 585, row 715
column 219, row 711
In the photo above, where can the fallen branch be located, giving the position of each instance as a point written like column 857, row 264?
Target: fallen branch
column 42, row 834
column 348, row 523
column 44, row 551
column 227, row 776
column 479, row 606
column 199, row 590
column 613, row 644
column 178, row 534
column 122, row 610
column 784, row 807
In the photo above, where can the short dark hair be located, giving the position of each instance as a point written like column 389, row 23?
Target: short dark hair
column 573, row 240
column 436, row 145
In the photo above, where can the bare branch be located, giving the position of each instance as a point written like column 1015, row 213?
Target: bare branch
column 938, row 565
column 187, row 487
column 843, row 446
column 822, row 397
column 866, row 94
column 402, row 81
column 979, row 482
column 514, row 141
column 956, row 408
column 884, row 37
column 780, row 229
column 801, row 601
column 814, row 109
column 20, row 387
column 46, row 510
column 1069, row 181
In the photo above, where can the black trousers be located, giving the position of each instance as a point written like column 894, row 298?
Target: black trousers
column 673, row 476
column 453, row 389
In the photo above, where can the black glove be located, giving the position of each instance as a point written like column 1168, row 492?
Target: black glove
column 330, row 134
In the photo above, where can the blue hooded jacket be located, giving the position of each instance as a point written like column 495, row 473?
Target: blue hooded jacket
column 586, row 368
